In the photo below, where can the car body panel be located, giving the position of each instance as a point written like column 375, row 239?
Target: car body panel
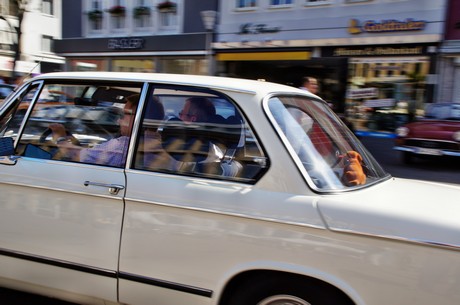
column 178, row 238
column 436, row 130
column 47, row 216
column 403, row 213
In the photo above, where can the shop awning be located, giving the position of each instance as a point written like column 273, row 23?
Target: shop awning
column 255, row 56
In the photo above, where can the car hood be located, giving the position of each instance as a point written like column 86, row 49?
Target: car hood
column 401, row 209
column 441, row 130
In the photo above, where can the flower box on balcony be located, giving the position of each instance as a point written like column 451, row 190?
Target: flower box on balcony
column 141, row 11
column 95, row 15
column 117, row 11
column 167, row 7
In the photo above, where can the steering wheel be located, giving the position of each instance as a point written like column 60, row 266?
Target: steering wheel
column 339, row 157
column 48, row 132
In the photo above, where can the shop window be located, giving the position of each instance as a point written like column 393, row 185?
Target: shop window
column 89, row 65
column 131, row 65
column 377, row 70
column 365, row 70
column 184, row 66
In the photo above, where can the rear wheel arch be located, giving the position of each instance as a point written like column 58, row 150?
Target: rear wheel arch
column 250, row 287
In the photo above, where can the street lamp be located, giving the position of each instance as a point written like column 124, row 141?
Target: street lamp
column 209, row 21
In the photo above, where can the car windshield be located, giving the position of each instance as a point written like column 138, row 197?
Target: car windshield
column 326, row 151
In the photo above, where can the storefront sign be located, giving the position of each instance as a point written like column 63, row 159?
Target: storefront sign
column 129, row 43
column 387, row 102
column 378, row 51
column 384, row 26
column 251, row 28
column 362, row 93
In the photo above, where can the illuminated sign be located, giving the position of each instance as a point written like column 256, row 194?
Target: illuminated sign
column 372, row 26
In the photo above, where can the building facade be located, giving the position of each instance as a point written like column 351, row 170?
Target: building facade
column 449, row 67
column 41, row 25
column 375, row 59
column 138, row 35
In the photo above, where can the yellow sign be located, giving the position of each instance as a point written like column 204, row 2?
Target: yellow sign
column 257, row 56
column 384, row 26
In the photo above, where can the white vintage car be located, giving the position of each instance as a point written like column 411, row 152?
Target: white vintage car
column 163, row 189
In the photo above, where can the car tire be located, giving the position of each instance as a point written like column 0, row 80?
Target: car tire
column 287, row 290
column 407, row 157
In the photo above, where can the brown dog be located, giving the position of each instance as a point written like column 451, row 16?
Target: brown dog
column 353, row 173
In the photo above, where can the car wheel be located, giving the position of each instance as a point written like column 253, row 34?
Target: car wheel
column 287, row 290
column 407, row 157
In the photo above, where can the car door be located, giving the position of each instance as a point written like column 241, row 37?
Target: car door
column 191, row 201
column 61, row 218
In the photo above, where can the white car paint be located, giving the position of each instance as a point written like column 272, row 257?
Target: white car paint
column 171, row 239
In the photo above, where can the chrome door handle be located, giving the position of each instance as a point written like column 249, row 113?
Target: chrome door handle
column 9, row 160
column 113, row 188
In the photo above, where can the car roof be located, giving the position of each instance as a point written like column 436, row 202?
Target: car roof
column 215, row 82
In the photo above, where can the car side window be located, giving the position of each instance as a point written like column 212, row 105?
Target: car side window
column 12, row 118
column 81, row 122
column 198, row 134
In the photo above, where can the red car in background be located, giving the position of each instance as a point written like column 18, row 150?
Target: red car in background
column 436, row 134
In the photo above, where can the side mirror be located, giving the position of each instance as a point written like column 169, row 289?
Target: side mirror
column 6, row 146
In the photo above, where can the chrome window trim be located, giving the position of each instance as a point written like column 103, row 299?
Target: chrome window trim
column 136, row 125
column 29, row 110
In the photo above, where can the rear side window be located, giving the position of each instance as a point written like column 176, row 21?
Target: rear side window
column 196, row 133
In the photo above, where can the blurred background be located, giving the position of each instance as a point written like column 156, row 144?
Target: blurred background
column 378, row 63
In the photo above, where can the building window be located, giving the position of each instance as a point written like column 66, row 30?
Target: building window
column 142, row 14
column 47, row 44
column 13, row 7
column 47, row 7
column 95, row 15
column 117, row 14
column 355, row 1
column 280, row 2
column 317, row 2
column 245, row 3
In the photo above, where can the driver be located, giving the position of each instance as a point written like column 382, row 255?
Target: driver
column 112, row 152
